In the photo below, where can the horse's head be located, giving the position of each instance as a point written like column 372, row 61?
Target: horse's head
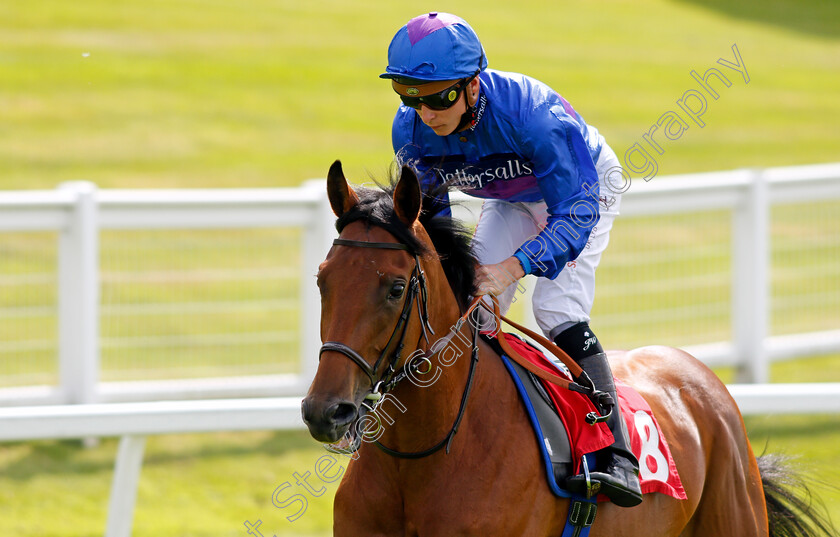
column 374, row 298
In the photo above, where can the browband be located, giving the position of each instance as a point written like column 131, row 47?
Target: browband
column 368, row 244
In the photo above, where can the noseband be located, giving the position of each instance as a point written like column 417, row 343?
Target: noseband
column 416, row 292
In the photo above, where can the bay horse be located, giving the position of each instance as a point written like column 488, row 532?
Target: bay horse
column 457, row 456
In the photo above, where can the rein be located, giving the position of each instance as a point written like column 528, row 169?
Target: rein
column 417, row 292
column 581, row 382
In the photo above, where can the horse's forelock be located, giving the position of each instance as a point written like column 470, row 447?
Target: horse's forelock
column 449, row 238
column 376, row 208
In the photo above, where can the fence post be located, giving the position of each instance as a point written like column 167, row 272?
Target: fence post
column 78, row 297
column 316, row 241
column 124, row 486
column 750, row 286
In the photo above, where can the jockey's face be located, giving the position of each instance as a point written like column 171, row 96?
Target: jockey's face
column 444, row 121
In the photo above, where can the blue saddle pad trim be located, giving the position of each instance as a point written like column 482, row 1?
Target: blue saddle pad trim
column 569, row 530
column 552, row 484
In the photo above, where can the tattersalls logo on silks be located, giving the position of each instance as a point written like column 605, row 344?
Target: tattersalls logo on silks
column 504, row 170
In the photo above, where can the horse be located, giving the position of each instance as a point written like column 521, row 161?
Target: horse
column 456, row 455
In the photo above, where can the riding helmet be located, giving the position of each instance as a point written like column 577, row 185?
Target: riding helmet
column 435, row 46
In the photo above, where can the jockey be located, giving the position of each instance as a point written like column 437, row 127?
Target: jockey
column 544, row 174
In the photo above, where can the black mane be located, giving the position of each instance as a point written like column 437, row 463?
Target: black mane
column 449, row 237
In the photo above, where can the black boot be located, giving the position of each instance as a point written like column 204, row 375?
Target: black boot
column 619, row 480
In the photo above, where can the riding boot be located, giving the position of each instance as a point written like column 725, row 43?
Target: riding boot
column 619, row 479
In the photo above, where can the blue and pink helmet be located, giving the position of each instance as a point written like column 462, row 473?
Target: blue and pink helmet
column 435, row 46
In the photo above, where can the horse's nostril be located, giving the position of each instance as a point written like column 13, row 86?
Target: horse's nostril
column 306, row 411
column 342, row 413
column 324, row 420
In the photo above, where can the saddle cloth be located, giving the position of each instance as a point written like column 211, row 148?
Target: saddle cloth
column 557, row 415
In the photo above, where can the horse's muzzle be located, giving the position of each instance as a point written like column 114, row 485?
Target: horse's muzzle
column 328, row 420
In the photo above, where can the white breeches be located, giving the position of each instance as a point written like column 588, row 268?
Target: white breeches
column 567, row 299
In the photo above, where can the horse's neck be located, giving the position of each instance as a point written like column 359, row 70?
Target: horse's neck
column 423, row 408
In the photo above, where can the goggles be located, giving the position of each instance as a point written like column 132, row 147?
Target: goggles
column 438, row 99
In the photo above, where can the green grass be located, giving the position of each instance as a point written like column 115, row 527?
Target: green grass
column 216, row 303
column 195, row 94
column 210, row 94
column 811, row 441
column 174, row 304
column 191, row 485
column 209, row 485
column 213, row 94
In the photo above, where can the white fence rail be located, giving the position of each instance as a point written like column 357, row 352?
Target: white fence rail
column 749, row 195
column 78, row 212
column 133, row 421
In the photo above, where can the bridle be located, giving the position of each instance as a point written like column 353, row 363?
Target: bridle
column 417, row 293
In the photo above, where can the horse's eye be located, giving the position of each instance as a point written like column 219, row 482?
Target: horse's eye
column 397, row 290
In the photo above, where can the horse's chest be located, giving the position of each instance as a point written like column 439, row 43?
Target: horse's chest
column 478, row 498
column 471, row 498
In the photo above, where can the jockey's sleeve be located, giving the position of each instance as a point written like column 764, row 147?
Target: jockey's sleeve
column 569, row 184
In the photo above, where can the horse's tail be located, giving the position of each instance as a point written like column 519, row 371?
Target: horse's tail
column 792, row 511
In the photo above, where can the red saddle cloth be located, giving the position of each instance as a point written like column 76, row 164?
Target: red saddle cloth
column 658, row 472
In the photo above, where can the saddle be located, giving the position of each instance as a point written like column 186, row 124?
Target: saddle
column 546, row 421
column 565, row 438
column 545, row 418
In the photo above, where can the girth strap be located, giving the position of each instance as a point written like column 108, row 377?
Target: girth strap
column 581, row 516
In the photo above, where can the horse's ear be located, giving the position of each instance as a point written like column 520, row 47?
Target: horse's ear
column 407, row 197
column 342, row 197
